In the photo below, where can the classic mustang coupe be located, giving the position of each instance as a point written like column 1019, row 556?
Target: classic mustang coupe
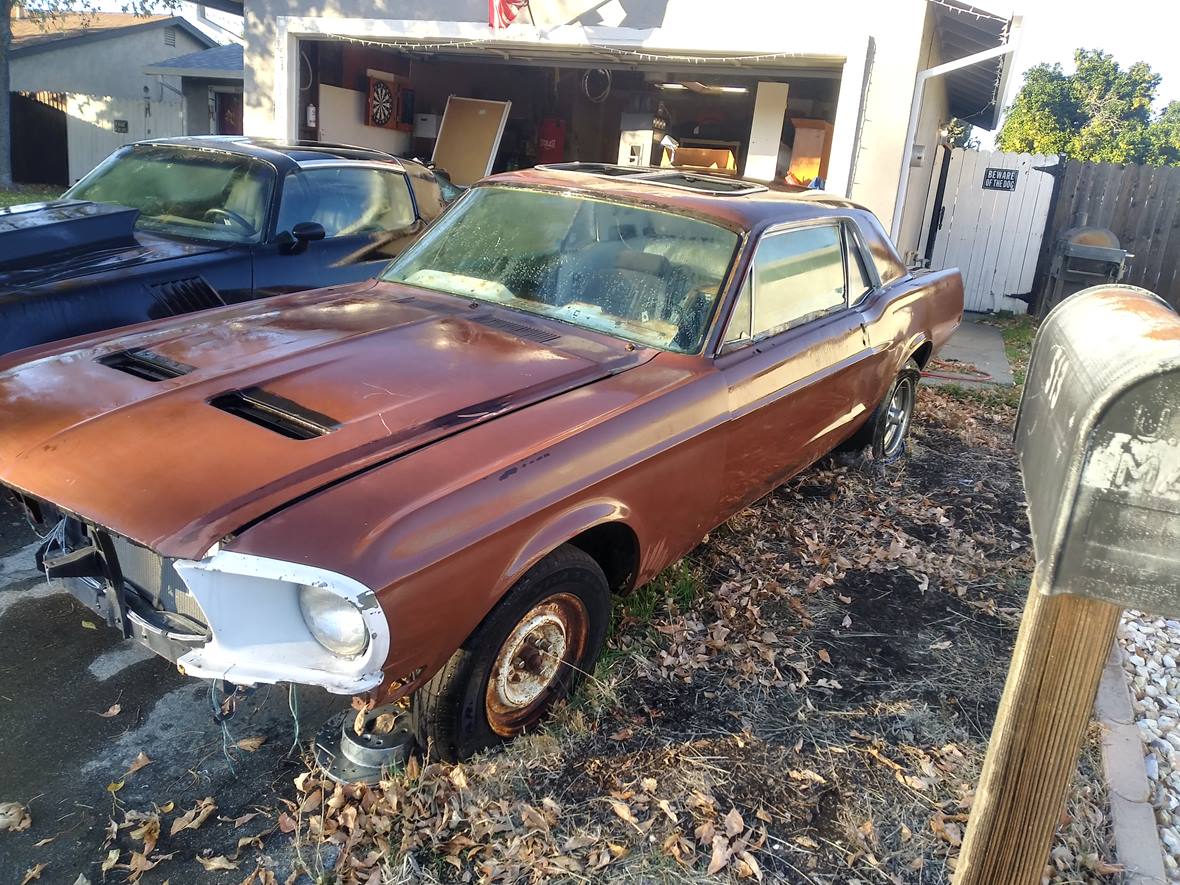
column 433, row 483
column 179, row 225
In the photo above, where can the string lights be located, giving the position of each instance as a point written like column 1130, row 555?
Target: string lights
column 637, row 55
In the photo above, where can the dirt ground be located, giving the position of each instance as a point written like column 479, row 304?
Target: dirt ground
column 806, row 698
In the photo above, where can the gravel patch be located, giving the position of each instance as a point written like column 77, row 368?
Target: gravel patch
column 1152, row 649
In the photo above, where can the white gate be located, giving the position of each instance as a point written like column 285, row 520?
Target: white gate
column 990, row 223
column 97, row 125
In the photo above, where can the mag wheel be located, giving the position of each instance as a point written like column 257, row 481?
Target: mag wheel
column 527, row 655
column 896, row 418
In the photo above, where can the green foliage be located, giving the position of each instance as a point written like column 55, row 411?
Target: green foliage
column 1101, row 113
column 959, row 134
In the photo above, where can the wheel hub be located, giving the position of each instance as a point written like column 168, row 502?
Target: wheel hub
column 530, row 659
column 530, row 668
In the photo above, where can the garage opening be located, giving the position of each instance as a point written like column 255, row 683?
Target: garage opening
column 551, row 106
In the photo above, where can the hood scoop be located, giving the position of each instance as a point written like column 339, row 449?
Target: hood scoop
column 145, row 364
column 275, row 413
column 32, row 233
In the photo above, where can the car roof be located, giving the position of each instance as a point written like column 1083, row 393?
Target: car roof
column 741, row 203
column 284, row 155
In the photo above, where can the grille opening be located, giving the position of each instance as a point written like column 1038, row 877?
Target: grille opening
column 145, row 364
column 275, row 413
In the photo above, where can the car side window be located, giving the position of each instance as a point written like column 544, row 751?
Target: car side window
column 860, row 281
column 739, row 321
column 346, row 200
column 797, row 275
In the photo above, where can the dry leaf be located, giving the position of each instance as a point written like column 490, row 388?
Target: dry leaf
column 221, row 862
column 623, row 810
column 194, row 817
column 110, row 860
column 90, row 625
column 112, row 710
column 720, row 856
column 41, row 843
column 458, row 778
column 385, row 723
column 32, row 873
column 823, row 655
column 649, row 784
column 244, row 819
column 139, row 762
column 287, row 823
column 734, row 823
column 115, row 786
column 15, row 817
column 81, row 880
column 251, row 744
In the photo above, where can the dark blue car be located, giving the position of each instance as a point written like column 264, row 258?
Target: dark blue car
column 179, row 225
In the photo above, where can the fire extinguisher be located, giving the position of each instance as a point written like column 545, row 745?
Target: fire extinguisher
column 551, row 140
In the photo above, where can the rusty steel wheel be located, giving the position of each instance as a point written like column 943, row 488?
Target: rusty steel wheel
column 533, row 661
column 526, row 655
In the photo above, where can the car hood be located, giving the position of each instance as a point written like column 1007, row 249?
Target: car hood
column 43, row 243
column 366, row 374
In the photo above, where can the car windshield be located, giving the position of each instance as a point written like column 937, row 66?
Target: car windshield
column 199, row 194
column 642, row 274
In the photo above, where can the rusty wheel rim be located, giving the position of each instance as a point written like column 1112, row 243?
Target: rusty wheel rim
column 532, row 663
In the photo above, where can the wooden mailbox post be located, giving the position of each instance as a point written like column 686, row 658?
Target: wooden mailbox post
column 1098, row 437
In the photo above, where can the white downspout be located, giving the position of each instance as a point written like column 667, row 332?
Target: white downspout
column 911, row 132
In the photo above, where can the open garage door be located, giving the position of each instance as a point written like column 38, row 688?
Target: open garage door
column 591, row 105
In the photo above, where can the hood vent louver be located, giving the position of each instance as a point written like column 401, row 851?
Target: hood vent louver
column 275, row 413
column 176, row 297
column 145, row 364
column 520, row 330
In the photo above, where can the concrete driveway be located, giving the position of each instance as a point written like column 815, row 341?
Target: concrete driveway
column 59, row 670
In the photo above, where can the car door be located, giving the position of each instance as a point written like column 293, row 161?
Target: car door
column 368, row 214
column 792, row 357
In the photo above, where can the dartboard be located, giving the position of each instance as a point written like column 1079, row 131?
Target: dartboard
column 380, row 103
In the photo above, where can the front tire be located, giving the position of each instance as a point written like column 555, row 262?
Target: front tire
column 526, row 655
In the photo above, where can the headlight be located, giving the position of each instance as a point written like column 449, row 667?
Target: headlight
column 335, row 622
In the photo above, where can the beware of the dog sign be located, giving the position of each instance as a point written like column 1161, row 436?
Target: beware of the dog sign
column 1099, row 442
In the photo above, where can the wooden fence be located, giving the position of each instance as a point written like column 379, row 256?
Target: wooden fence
column 1140, row 204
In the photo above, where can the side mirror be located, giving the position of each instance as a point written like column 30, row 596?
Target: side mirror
column 296, row 240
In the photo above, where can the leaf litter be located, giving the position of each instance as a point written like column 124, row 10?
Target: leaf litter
column 806, row 697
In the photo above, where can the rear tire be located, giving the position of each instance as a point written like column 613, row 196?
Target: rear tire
column 526, row 655
column 887, row 428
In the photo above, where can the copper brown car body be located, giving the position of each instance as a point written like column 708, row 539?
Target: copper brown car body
column 467, row 441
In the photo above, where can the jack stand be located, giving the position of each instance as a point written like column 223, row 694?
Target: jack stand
column 348, row 757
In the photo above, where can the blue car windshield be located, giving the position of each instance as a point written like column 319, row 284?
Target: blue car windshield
column 196, row 194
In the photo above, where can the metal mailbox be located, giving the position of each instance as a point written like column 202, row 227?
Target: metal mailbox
column 1098, row 435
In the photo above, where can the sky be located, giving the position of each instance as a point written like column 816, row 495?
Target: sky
column 1130, row 30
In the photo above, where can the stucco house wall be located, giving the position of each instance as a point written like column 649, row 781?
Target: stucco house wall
column 110, row 66
column 102, row 80
column 935, row 114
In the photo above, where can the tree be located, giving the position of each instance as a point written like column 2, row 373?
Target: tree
column 1099, row 113
column 1164, row 135
column 48, row 12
